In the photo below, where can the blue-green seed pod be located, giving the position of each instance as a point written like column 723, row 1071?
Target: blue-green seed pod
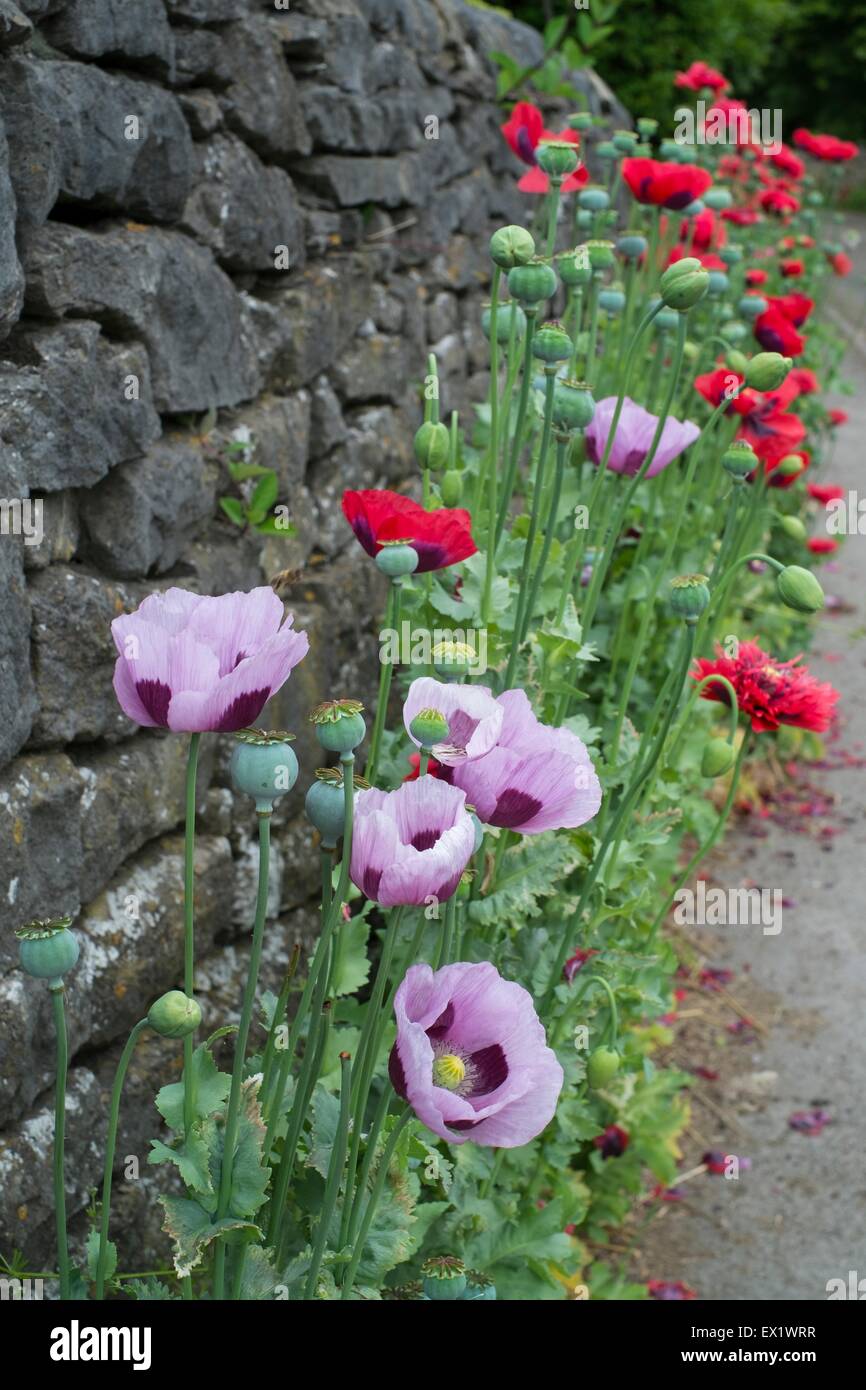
column 606, row 149
column 397, row 559
column 263, row 766
column 47, row 949
column 632, row 246
column 505, row 313
column 739, row 459
column 719, row 283
column 693, row 208
column 647, row 126
column 573, row 405
column 551, row 343
column 594, row 198
column 731, row 255
column 478, row 1286
column 453, row 660
column 174, row 1015
column 601, row 254
column 612, row 301
column 558, row 158
column 717, row 199
column 734, row 331
column 339, row 724
column 574, row 267
column 689, row 597
column 584, row 219
column 325, row 803
column 428, row 727
column 752, row 305
column 579, row 120
column 511, row 246
column 625, row 141
column 444, row 1278
column 533, row 282
column 669, row 150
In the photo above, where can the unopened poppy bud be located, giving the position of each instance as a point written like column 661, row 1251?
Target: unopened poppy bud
column 684, row 266
column 793, row 527
column 429, row 726
column 612, row 301
column 717, row 199
column 325, row 803
column 789, row 466
column 505, row 314
column 432, row 445
column 511, row 246
column 573, row 405
column 444, row 1278
column 602, row 1067
column 632, row 246
column 767, row 370
column 174, row 1015
column 594, row 198
column 451, row 660
column 579, row 120
column 557, row 158
column 551, row 342
column 800, row 590
column 451, row 487
column 263, row 766
column 574, row 267
column 739, row 459
column 339, row 724
column 601, row 254
column 717, row 758
column 689, row 597
column 47, row 949
column 533, row 282
column 397, row 558
column 684, row 290
column 751, row 306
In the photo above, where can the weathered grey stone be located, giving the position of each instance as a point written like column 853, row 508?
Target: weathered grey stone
column 139, row 519
column 73, row 134
column 301, row 329
column 131, row 794
column 17, row 697
column 74, row 656
column 207, row 11
column 202, row 58
column 202, row 111
column 60, row 531
column 303, row 37
column 40, row 844
column 11, row 277
column 442, row 316
column 350, row 181
column 324, row 231
column 374, row 368
column 226, row 560
column 161, row 287
column 342, row 56
column 243, row 210
column 261, row 104
column 74, row 404
column 327, row 426
column 15, row 27
column 358, row 124
column 107, row 29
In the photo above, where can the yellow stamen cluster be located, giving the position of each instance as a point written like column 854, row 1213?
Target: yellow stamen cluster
column 449, row 1071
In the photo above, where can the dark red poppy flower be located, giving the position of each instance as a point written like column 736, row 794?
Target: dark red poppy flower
column 837, row 417
column 778, row 201
column 822, row 545
column 772, row 459
column 434, row 769
column 699, row 76
column 576, row 963
column 841, row 264
column 790, row 269
column 440, row 538
column 804, row 379
column 756, row 277
column 788, row 162
column 795, row 306
column 770, row 692
column 741, row 217
column 524, row 130
column 776, row 333
column 612, row 1142
column 825, row 492
column 671, row 186
column 826, row 147
column 705, row 232
column 669, row 1291
column 708, row 259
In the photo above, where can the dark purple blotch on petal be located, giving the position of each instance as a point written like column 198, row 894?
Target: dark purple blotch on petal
column 396, row 1073
column 243, row 711
column 514, row 808
column 424, row 839
column 491, row 1069
column 462, row 1124
column 156, row 697
column 370, row 885
column 430, row 556
column 443, row 1025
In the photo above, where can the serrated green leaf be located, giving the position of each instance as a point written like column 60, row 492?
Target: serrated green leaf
column 211, row 1088
column 534, row 870
column 264, row 497
column 259, row 1280
column 192, row 1229
column 250, row 1176
column 326, row 1115
column 353, row 967
column 93, row 1255
column 538, row 1234
column 149, row 1291
column 191, row 1156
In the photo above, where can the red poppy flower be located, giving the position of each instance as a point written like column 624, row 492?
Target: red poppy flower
column 524, row 131
column 822, row 545
column 434, row 769
column 776, row 333
column 825, row 492
column 612, row 1142
column 837, row 417
column 771, row 464
column 441, row 537
column 795, row 306
column 778, row 201
column 842, row 264
column 741, row 217
column 789, row 162
column 705, row 230
column 791, row 268
column 770, row 692
column 708, row 259
column 826, row 147
column 671, row 186
column 756, row 277
column 804, row 379
column 698, row 76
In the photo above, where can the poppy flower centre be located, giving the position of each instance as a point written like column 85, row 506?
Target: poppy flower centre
column 451, row 1069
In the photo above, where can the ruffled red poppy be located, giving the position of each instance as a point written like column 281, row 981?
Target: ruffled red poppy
column 575, row 963
column 699, row 76
column 825, row 492
column 842, row 264
column 671, row 186
column 822, row 545
column 756, row 277
column 440, row 538
column 524, row 130
column 826, row 147
column 789, row 162
column 790, row 269
column 778, row 202
column 770, row 692
column 795, row 306
column 708, row 259
column 776, row 333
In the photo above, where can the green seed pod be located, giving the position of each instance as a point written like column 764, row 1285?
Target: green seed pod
column 452, row 660
column 793, row 527
column 719, row 283
column 594, row 198
column 451, row 487
column 511, row 246
column 767, row 370
column 734, row 331
column 731, row 255
column 717, row 758
column 602, row 1067
column 533, row 282
column 669, row 150
column 444, row 1278
column 174, row 1015
column 339, row 724
column 574, row 267
column 789, row 466
column 752, row 305
column 739, row 459
column 665, row 320
column 579, row 120
column 557, row 158
column 686, row 290
column 612, row 301
column 717, row 199
column 505, row 313
column 573, row 405
column 606, row 149
column 632, row 246
column 47, row 949
column 689, row 597
column 263, row 766
column 625, row 141
column 397, row 558
column 432, row 445
column 693, row 208
column 647, row 126
column 325, row 805
column 601, row 254
column 478, row 1286
column 800, row 590
column 551, row 342
column 428, row 727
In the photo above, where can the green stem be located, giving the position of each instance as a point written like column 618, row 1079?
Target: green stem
column 494, row 447
column 531, row 312
column 110, row 1145
column 332, row 1183
column 56, row 988
column 555, row 189
column 562, row 447
column 278, row 1022
column 537, row 494
column 189, row 926
column 392, row 620
column 373, row 1201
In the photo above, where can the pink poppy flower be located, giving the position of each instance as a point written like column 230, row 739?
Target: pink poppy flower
column 193, row 664
column 471, row 1056
column 412, row 844
column 634, row 436
column 474, row 717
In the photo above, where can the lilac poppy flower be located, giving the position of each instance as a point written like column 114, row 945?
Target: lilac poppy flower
column 411, row 844
column 474, row 718
column 635, row 432
column 536, row 778
column 471, row 1056
column 191, row 664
